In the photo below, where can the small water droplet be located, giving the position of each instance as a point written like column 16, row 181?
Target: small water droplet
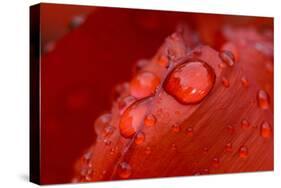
column 163, row 61
column 197, row 51
column 102, row 122
column 263, row 99
column 121, row 90
column 112, row 151
column 132, row 119
column 190, row 82
column 86, row 173
column 150, row 120
column 141, row 64
column 108, row 131
column 107, row 142
column 269, row 66
column 124, row 170
column 174, row 147
column 216, row 162
column 245, row 81
column 189, row 131
column 228, row 147
column 225, row 82
column 227, row 57
column 245, row 124
column 205, row 171
column 222, row 65
column 265, row 129
column 243, row 152
column 176, row 128
column 144, row 84
column 140, row 138
column 148, row 150
column 205, row 150
column 230, row 129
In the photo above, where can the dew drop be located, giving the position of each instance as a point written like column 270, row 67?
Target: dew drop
column 174, row 147
column 216, row 162
column 265, row 129
column 245, row 82
column 108, row 131
column 189, row 131
column 102, row 122
column 225, row 82
column 205, row 150
column 228, row 147
column 230, row 129
column 263, row 99
column 176, row 128
column 141, row 64
column 222, row 65
column 132, row 119
column 205, row 171
column 150, row 120
column 197, row 51
column 107, row 142
column 269, row 66
column 87, row 157
column 245, row 124
column 112, row 151
column 243, row 152
column 124, row 102
column 227, row 57
column 121, row 89
column 124, row 170
column 144, row 84
column 190, row 82
column 140, row 138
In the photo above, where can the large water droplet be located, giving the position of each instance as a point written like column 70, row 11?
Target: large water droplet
column 263, row 99
column 150, row 120
column 144, row 84
column 243, row 152
column 227, row 57
column 132, row 119
column 265, row 129
column 124, row 170
column 190, row 82
column 140, row 138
